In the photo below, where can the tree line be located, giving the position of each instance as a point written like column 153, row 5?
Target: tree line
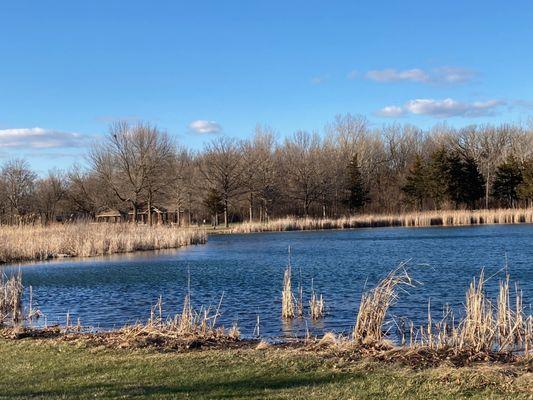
column 352, row 167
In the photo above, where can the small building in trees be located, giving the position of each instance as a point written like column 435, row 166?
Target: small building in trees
column 111, row 215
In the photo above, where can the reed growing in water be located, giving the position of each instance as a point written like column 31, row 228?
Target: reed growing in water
column 11, row 299
column 26, row 243
column 413, row 219
column 485, row 327
column 374, row 306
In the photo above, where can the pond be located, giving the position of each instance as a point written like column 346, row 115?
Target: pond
column 248, row 271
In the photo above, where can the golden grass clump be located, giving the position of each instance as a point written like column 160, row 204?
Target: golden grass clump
column 375, row 304
column 486, row 327
column 287, row 300
column 412, row 219
column 11, row 299
column 192, row 326
column 316, row 304
column 27, row 243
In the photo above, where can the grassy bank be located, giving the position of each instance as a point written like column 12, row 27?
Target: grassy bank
column 26, row 243
column 64, row 370
column 414, row 219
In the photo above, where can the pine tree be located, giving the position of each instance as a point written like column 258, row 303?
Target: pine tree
column 416, row 186
column 508, row 178
column 465, row 182
column 525, row 189
column 357, row 194
column 438, row 177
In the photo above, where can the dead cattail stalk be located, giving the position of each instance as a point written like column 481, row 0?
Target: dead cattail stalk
column 287, row 301
column 375, row 304
column 316, row 304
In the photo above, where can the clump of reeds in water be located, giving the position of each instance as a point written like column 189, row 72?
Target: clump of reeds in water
column 189, row 325
column 486, row 327
column 316, row 304
column 374, row 306
column 11, row 299
column 287, row 300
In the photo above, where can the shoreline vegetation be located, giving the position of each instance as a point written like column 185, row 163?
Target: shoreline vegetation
column 484, row 350
column 20, row 243
column 84, row 239
column 487, row 329
column 411, row 219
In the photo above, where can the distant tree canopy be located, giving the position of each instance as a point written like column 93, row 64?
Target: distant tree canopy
column 349, row 168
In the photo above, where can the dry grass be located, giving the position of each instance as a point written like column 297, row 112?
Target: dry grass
column 374, row 306
column 26, row 243
column 487, row 330
column 486, row 327
column 287, row 299
column 11, row 299
column 316, row 304
column 415, row 219
column 188, row 326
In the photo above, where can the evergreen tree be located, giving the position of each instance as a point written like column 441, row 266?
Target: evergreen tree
column 416, row 186
column 508, row 178
column 525, row 189
column 465, row 182
column 437, row 177
column 357, row 194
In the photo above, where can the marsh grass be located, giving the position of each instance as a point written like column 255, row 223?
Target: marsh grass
column 11, row 290
column 316, row 304
column 26, row 243
column 486, row 327
column 374, row 305
column 413, row 219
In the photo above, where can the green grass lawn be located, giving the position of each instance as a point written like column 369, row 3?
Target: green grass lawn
column 33, row 369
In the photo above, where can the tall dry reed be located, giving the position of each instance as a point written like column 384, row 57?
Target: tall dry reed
column 413, row 219
column 374, row 306
column 11, row 299
column 26, row 243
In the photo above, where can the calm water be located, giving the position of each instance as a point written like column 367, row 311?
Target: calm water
column 109, row 292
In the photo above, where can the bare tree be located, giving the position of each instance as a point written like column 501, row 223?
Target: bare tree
column 132, row 162
column 221, row 166
column 259, row 169
column 18, row 183
column 299, row 161
column 49, row 193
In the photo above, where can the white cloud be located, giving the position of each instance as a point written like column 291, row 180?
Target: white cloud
column 443, row 75
column 40, row 138
column 443, row 108
column 392, row 75
column 453, row 75
column 202, row 126
column 391, row 111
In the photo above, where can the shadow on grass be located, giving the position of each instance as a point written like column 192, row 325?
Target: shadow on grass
column 253, row 387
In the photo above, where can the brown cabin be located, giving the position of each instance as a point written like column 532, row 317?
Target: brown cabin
column 160, row 215
column 111, row 215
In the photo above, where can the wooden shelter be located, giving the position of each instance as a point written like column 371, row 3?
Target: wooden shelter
column 110, row 215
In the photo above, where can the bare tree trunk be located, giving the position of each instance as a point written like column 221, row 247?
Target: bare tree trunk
column 150, row 209
column 226, row 213
column 251, row 208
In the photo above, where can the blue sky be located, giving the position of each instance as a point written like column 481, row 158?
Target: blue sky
column 198, row 69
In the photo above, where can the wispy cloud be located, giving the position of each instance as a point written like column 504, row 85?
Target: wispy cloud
column 319, row 79
column 443, row 108
column 442, row 75
column 41, row 138
column 202, row 127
